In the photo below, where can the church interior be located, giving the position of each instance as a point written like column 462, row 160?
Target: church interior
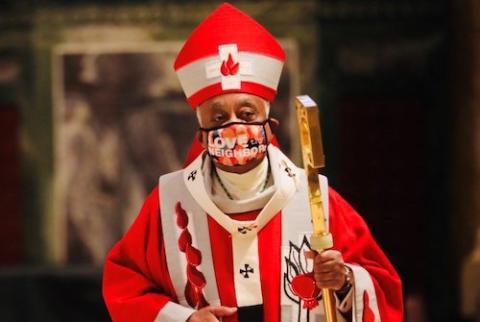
column 91, row 114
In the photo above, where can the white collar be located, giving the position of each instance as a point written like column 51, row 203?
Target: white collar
column 245, row 185
column 285, row 178
column 245, row 200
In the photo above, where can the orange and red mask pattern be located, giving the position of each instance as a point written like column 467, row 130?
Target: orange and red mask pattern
column 237, row 143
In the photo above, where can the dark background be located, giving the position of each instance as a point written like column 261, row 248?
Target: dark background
column 396, row 82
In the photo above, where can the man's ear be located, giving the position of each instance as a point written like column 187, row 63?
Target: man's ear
column 272, row 124
column 202, row 138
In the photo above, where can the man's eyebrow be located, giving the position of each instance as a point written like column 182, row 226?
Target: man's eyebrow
column 246, row 101
column 217, row 105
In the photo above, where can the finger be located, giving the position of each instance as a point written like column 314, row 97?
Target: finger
column 209, row 318
column 220, row 311
column 320, row 258
column 330, row 266
column 330, row 284
column 213, row 318
column 328, row 255
column 203, row 315
column 320, row 277
column 335, row 283
column 310, row 254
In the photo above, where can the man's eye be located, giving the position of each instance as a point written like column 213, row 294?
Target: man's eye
column 248, row 115
column 218, row 117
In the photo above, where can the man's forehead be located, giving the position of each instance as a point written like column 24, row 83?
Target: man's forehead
column 236, row 99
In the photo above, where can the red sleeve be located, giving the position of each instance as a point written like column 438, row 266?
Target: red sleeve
column 354, row 240
column 136, row 283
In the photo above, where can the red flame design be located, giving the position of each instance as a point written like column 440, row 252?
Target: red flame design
column 182, row 218
column 183, row 240
column 368, row 315
column 300, row 284
column 229, row 67
column 194, row 257
column 305, row 287
column 195, row 279
column 195, row 298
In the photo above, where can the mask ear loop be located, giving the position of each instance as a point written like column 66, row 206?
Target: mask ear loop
column 273, row 124
column 265, row 133
column 267, row 143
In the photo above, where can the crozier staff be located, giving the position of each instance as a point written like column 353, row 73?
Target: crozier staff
column 224, row 238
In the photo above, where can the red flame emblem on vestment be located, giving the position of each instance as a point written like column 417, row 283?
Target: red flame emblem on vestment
column 229, row 67
column 300, row 285
column 305, row 287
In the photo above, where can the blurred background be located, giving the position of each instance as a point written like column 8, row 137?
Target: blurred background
column 91, row 114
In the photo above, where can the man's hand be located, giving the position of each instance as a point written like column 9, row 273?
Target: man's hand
column 211, row 313
column 329, row 269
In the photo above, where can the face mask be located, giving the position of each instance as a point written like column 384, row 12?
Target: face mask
column 237, row 143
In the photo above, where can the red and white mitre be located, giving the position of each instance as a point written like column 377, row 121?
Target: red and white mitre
column 229, row 52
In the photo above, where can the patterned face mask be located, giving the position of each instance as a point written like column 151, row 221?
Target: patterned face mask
column 237, row 143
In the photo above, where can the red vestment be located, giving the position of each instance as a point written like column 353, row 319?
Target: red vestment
column 137, row 285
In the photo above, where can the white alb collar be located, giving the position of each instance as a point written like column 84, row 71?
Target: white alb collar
column 285, row 178
column 256, row 198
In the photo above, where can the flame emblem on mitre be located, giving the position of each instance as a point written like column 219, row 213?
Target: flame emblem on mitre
column 229, row 67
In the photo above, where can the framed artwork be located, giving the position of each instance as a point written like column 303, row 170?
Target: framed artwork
column 120, row 121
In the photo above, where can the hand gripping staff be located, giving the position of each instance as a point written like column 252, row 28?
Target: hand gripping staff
column 314, row 159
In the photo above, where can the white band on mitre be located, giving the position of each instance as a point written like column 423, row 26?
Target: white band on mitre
column 229, row 68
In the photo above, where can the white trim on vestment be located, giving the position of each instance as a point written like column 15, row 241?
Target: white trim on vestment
column 173, row 312
column 172, row 190
column 363, row 283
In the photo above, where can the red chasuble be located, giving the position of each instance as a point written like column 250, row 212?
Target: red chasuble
column 137, row 283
